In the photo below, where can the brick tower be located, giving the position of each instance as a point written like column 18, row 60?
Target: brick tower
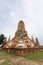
column 21, row 38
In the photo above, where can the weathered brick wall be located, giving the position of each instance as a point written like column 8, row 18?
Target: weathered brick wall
column 21, row 51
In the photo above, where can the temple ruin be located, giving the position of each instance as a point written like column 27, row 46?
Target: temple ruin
column 21, row 40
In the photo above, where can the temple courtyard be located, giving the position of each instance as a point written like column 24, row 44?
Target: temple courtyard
column 28, row 59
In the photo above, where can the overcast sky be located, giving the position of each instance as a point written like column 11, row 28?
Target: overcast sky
column 30, row 11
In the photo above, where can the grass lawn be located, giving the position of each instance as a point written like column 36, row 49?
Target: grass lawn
column 38, row 56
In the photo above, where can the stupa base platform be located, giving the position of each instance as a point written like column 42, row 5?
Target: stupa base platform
column 21, row 51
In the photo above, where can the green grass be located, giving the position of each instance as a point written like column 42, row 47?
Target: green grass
column 3, row 53
column 6, row 54
column 38, row 56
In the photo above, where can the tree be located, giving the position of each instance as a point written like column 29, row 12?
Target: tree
column 1, row 38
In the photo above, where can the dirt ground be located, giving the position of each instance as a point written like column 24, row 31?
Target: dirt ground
column 23, row 61
column 19, row 61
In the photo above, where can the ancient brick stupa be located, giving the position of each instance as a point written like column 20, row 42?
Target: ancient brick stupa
column 21, row 39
